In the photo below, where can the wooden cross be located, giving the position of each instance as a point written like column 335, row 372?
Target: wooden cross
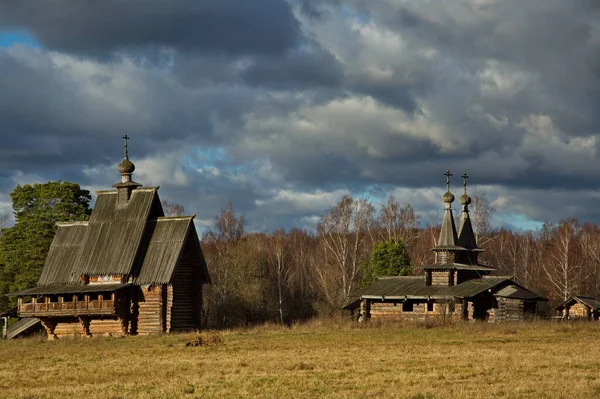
column 448, row 174
column 126, row 137
column 465, row 176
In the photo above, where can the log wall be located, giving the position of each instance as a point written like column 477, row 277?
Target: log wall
column 149, row 310
column 445, row 278
column 97, row 328
column 508, row 310
column 394, row 311
column 579, row 311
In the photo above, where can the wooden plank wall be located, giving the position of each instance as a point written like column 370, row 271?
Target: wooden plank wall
column 186, row 299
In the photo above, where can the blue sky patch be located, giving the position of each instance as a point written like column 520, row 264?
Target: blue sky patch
column 8, row 39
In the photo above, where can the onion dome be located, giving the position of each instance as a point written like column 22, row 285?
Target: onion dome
column 448, row 197
column 126, row 166
column 465, row 199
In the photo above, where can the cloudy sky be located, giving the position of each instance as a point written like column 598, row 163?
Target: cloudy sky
column 282, row 106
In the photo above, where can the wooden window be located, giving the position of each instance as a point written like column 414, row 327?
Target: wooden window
column 430, row 306
column 407, row 306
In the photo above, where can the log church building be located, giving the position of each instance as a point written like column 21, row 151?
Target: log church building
column 128, row 270
column 456, row 287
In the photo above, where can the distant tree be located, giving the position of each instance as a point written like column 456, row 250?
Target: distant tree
column 3, row 223
column 37, row 208
column 342, row 231
column 227, row 226
column 481, row 211
column 172, row 208
column 563, row 266
column 280, row 260
column 398, row 222
column 221, row 245
column 388, row 258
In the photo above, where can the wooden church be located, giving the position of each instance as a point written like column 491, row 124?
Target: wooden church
column 128, row 270
column 456, row 287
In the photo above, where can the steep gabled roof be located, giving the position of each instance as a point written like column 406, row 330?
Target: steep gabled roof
column 170, row 236
column 63, row 254
column 114, row 232
column 106, row 244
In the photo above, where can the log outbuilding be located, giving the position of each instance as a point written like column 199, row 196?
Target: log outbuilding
column 128, row 270
column 580, row 307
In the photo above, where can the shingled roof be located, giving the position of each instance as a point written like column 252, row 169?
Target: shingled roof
column 413, row 287
column 107, row 244
column 130, row 239
column 170, row 236
column 585, row 300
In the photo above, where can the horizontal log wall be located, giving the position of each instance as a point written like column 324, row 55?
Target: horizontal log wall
column 508, row 310
column 578, row 311
column 393, row 311
column 97, row 328
column 149, row 317
column 445, row 278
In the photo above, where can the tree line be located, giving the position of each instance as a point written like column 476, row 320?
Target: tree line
column 285, row 276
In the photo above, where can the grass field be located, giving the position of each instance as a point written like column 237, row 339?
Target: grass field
column 315, row 360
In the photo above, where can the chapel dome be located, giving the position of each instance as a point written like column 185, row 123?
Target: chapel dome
column 465, row 199
column 126, row 166
column 448, row 197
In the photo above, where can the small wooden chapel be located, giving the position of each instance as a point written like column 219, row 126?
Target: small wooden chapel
column 455, row 287
column 128, row 270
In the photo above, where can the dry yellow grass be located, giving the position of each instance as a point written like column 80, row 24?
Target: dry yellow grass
column 316, row 360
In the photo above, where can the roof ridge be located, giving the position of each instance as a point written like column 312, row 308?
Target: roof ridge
column 73, row 223
column 164, row 218
column 397, row 277
column 153, row 188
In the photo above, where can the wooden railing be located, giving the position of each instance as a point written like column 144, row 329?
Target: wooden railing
column 68, row 308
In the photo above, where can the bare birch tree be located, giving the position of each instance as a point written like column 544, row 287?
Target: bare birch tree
column 398, row 222
column 342, row 231
column 563, row 268
column 281, row 262
column 481, row 213
column 227, row 230
column 172, row 208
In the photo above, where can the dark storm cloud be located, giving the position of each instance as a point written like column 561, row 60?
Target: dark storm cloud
column 89, row 27
column 300, row 69
column 304, row 101
column 62, row 113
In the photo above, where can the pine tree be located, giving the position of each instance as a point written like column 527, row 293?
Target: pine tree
column 24, row 246
column 388, row 258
